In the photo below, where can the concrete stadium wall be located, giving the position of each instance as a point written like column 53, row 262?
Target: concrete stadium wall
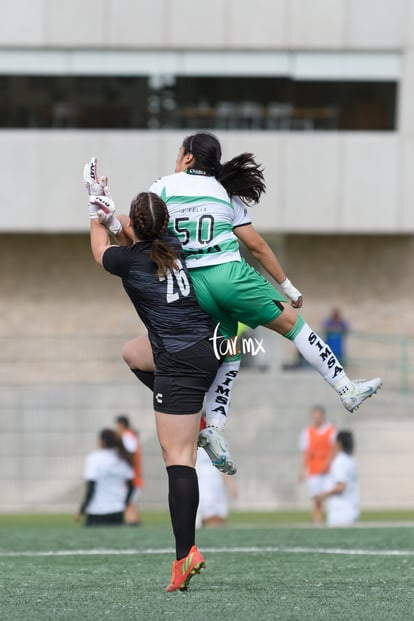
column 62, row 377
column 50, row 284
column 316, row 182
column 47, row 430
column 272, row 24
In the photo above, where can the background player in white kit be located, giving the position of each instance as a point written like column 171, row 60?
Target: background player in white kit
column 108, row 474
column 215, row 488
column 341, row 494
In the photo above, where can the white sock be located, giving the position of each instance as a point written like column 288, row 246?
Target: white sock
column 218, row 397
column 319, row 356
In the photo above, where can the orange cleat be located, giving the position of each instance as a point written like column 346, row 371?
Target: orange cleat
column 184, row 569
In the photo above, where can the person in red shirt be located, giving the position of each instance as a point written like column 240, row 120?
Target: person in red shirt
column 316, row 444
column 132, row 445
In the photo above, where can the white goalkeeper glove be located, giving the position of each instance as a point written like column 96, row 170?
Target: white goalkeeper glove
column 290, row 291
column 105, row 211
column 94, row 186
column 101, row 206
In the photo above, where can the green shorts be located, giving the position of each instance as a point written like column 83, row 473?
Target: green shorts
column 234, row 292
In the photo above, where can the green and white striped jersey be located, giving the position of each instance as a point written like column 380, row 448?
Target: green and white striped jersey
column 203, row 217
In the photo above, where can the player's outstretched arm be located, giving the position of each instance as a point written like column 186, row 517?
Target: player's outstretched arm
column 261, row 251
column 99, row 240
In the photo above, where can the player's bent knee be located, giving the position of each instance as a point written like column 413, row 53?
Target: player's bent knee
column 127, row 353
column 137, row 353
column 285, row 322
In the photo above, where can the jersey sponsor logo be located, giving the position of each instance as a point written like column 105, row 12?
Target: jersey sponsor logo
column 223, row 392
column 209, row 250
column 195, row 171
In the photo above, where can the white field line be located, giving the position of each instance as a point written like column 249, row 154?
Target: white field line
column 224, row 550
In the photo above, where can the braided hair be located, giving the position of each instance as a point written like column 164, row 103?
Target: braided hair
column 241, row 176
column 149, row 218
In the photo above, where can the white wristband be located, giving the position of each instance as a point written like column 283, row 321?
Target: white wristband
column 93, row 211
column 115, row 226
column 290, row 291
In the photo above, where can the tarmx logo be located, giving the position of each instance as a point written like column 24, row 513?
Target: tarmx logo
column 230, row 347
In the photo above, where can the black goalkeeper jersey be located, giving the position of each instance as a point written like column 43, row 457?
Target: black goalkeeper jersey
column 167, row 306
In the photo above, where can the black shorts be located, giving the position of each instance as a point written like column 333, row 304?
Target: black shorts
column 182, row 378
column 109, row 519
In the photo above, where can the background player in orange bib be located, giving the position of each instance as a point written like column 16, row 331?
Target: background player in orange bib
column 132, row 444
column 316, row 444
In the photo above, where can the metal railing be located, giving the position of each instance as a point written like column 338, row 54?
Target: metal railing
column 390, row 355
column 97, row 358
column 57, row 391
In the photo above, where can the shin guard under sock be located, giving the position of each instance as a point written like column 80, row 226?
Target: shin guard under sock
column 183, row 500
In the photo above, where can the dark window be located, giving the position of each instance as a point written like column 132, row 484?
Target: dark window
column 196, row 102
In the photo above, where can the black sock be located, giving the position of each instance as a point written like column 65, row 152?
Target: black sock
column 183, row 502
column 146, row 377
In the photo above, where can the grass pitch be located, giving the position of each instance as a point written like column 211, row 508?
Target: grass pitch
column 256, row 570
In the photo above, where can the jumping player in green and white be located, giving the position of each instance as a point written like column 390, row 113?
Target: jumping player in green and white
column 206, row 201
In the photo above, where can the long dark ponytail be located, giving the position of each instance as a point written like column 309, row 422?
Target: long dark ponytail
column 110, row 440
column 241, row 176
column 149, row 218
